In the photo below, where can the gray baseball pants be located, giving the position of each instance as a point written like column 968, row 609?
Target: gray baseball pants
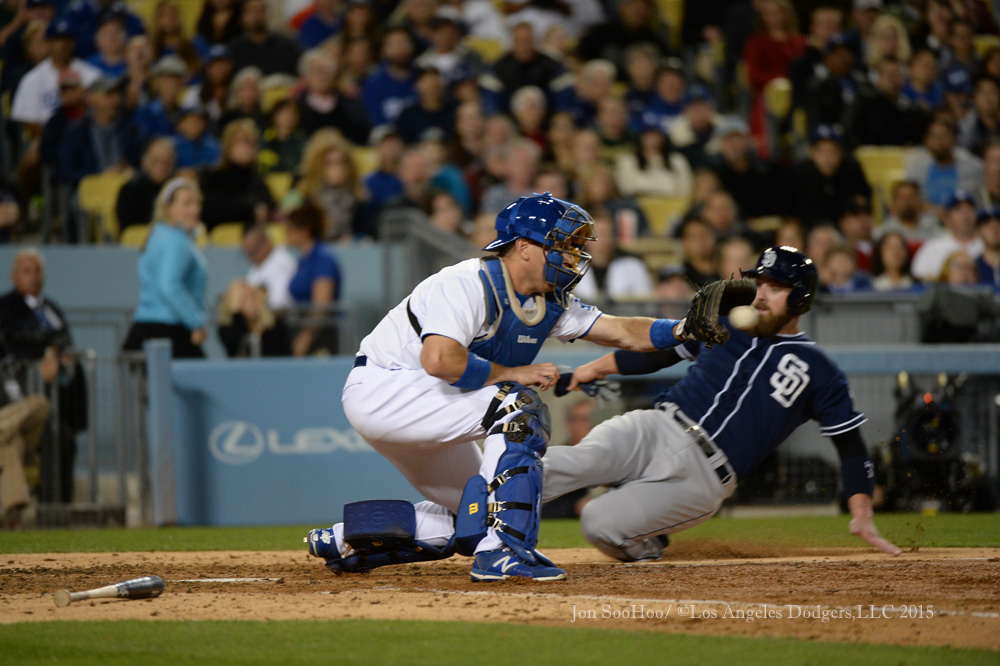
column 662, row 480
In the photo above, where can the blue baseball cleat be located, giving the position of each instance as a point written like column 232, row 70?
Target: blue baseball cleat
column 323, row 544
column 504, row 563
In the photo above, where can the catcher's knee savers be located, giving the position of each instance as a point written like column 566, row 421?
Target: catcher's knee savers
column 517, row 484
column 382, row 532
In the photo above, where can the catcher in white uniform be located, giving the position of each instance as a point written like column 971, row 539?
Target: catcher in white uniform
column 453, row 363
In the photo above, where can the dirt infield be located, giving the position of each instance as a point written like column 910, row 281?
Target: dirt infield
column 944, row 597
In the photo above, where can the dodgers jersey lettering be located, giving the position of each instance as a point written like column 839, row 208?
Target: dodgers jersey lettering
column 751, row 393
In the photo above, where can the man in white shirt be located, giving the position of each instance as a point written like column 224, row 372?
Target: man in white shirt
column 960, row 223
column 37, row 95
column 272, row 268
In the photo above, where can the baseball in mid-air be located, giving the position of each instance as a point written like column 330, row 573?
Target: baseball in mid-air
column 744, row 316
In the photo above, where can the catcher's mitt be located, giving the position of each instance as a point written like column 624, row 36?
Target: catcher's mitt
column 711, row 302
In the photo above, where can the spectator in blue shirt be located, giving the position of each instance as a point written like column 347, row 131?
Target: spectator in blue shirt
column 324, row 23
column 988, row 263
column 159, row 117
column 316, row 283
column 172, row 275
column 110, row 43
column 922, row 87
column 84, row 17
column 383, row 184
column 392, row 86
column 196, row 147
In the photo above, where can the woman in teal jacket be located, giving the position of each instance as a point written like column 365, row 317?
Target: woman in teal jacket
column 172, row 275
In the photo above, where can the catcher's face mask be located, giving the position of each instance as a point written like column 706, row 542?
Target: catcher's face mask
column 566, row 262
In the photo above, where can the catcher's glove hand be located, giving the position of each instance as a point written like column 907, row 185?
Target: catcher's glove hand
column 711, row 302
column 600, row 389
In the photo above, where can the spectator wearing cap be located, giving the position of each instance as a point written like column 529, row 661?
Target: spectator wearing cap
column 654, row 168
column 982, row 122
column 167, row 36
column 196, row 147
column 447, row 54
column 383, row 183
column 960, row 52
column 321, row 105
column 988, row 263
column 37, row 95
column 922, row 87
column 768, row 54
column 283, row 141
column 909, row 215
column 881, row 116
column 137, row 197
column 668, row 102
column 959, row 234
column 392, row 86
column 834, row 88
column 85, row 16
column 822, row 185
column 325, row 22
column 524, row 65
column 213, row 89
column 234, row 190
column 957, row 92
column 431, row 109
column 159, row 116
column 940, row 167
column 109, row 43
column 103, row 141
column 673, row 291
column 634, row 22
column 824, row 23
column 258, row 47
column 692, row 131
column 749, row 179
column 855, row 225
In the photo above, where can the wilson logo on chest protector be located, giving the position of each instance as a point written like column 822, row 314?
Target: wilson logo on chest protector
column 790, row 379
column 526, row 340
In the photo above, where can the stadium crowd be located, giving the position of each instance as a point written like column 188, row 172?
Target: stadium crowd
column 710, row 127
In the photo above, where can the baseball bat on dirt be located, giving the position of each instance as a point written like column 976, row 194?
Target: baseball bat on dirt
column 143, row 587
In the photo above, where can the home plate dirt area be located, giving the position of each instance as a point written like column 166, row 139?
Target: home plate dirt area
column 943, row 597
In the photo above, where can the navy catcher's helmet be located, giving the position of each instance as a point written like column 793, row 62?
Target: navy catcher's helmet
column 792, row 267
column 560, row 227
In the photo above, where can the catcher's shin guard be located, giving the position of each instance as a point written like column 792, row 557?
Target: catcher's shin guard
column 516, row 487
column 379, row 533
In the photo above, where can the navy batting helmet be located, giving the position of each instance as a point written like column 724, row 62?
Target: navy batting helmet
column 792, row 267
column 560, row 227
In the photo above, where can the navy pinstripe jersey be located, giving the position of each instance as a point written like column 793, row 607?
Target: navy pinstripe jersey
column 751, row 393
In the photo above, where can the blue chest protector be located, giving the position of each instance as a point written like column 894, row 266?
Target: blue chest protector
column 510, row 341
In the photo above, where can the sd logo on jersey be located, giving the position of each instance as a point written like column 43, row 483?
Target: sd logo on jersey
column 790, row 379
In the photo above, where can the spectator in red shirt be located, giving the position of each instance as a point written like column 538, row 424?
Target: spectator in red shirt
column 767, row 55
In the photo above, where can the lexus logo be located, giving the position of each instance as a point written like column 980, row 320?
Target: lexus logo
column 236, row 442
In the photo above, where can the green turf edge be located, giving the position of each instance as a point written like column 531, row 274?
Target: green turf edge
column 905, row 529
column 367, row 642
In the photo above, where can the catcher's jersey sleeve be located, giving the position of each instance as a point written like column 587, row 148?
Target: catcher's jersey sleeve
column 576, row 321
